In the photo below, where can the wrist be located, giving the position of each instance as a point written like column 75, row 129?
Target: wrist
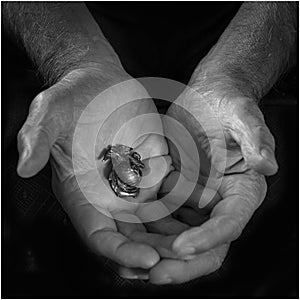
column 96, row 55
column 58, row 37
column 224, row 79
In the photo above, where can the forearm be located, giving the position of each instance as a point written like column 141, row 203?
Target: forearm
column 256, row 48
column 58, row 37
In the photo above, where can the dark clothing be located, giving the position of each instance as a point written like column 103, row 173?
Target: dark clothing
column 163, row 39
column 42, row 255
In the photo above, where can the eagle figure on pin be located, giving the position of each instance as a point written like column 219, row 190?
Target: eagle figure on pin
column 126, row 173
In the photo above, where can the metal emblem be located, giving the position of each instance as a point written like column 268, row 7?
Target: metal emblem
column 126, row 173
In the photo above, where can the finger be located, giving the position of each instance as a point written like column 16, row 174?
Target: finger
column 228, row 217
column 247, row 126
column 201, row 199
column 127, row 228
column 98, row 229
column 163, row 244
column 127, row 273
column 190, row 216
column 34, row 151
column 155, row 170
column 36, row 137
column 160, row 235
column 151, row 145
column 123, row 251
column 172, row 271
column 167, row 226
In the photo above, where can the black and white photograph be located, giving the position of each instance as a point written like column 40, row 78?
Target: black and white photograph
column 150, row 149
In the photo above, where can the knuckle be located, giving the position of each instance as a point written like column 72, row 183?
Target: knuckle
column 53, row 100
column 47, row 112
column 21, row 132
column 38, row 109
column 41, row 101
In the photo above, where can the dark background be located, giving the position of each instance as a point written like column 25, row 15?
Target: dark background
column 41, row 253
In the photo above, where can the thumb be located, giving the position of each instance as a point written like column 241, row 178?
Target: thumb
column 247, row 127
column 36, row 137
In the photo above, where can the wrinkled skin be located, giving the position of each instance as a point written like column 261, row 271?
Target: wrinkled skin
column 201, row 249
column 194, row 241
column 50, row 127
column 269, row 37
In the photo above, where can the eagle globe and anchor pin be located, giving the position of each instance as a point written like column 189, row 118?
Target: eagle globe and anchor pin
column 126, row 173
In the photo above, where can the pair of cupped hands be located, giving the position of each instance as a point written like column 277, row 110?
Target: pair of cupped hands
column 193, row 239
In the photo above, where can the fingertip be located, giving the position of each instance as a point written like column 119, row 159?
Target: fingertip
column 160, row 275
column 169, row 271
column 263, row 164
column 23, row 157
column 177, row 243
column 184, row 238
column 137, row 255
column 22, row 172
column 133, row 273
column 270, row 161
column 256, row 141
column 161, row 280
column 184, row 252
column 151, row 257
column 266, row 168
column 30, row 166
column 34, row 152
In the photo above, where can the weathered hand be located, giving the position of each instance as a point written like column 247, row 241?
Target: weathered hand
column 217, row 214
column 240, row 190
column 54, row 126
